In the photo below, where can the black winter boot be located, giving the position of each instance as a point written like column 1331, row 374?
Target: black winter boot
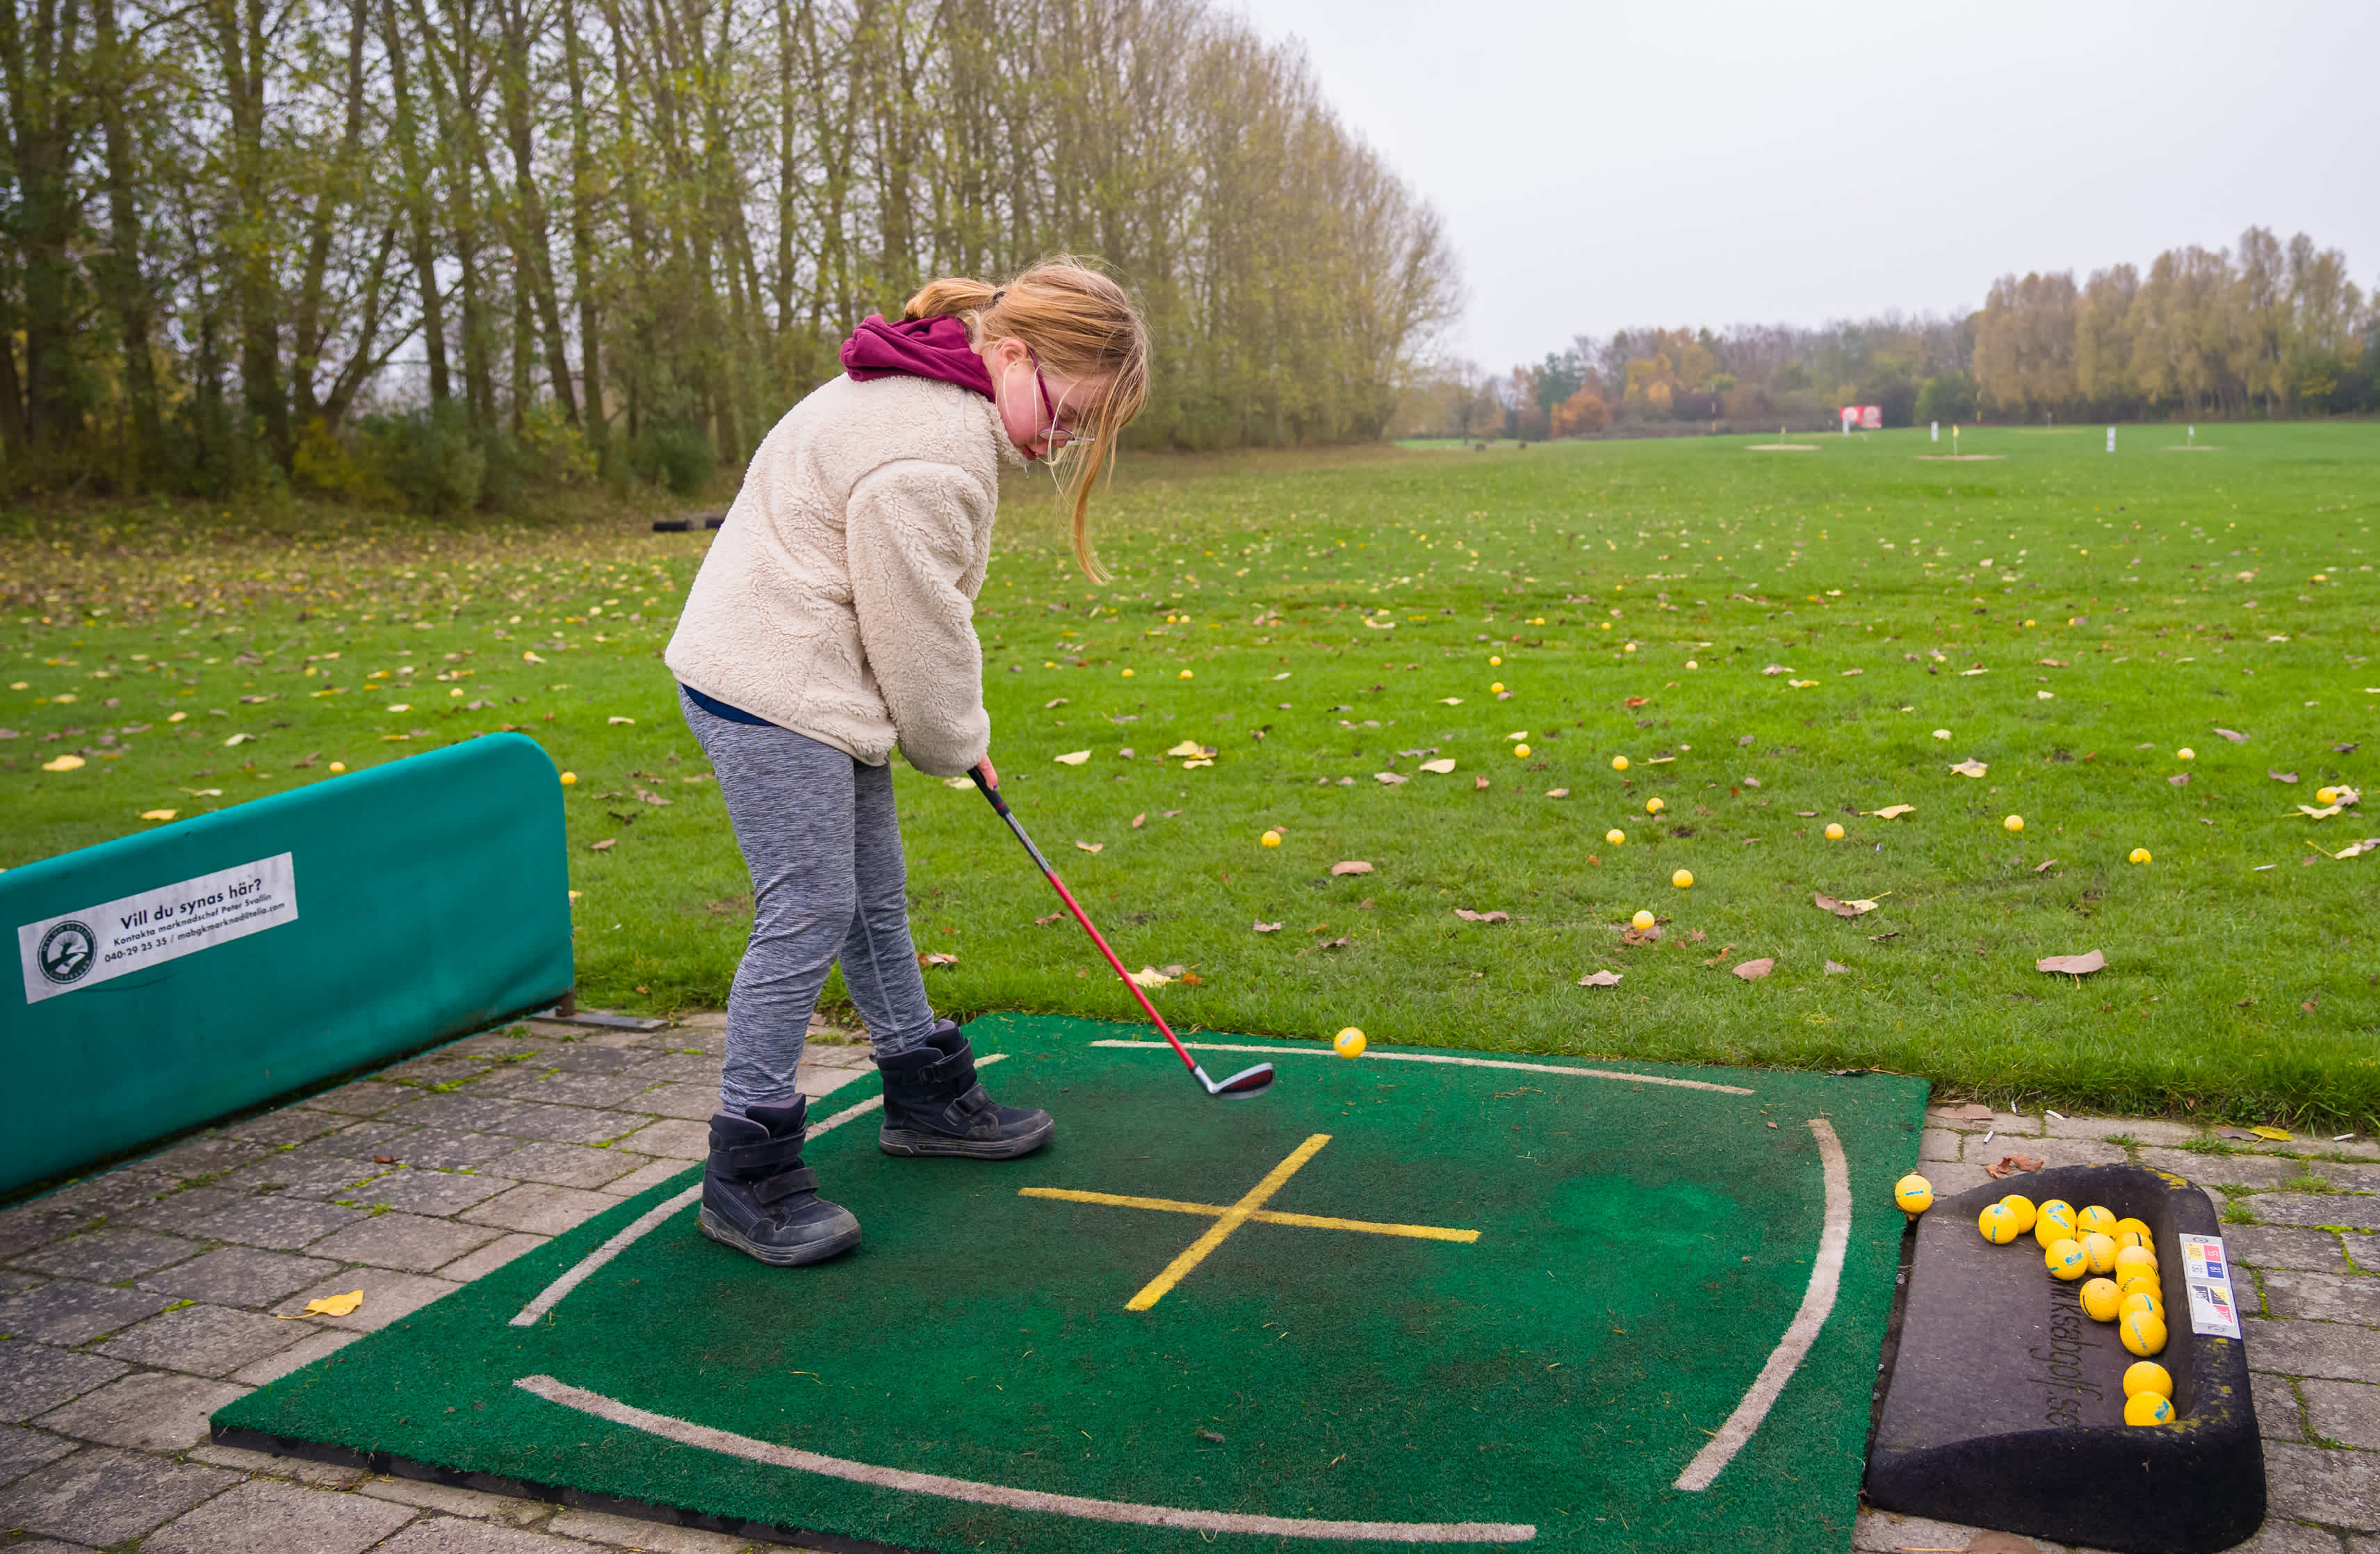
column 758, row 1196
column 933, row 1105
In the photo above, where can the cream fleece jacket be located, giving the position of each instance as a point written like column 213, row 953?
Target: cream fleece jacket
column 838, row 600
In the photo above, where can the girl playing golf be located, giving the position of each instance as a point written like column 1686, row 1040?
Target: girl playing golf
column 832, row 621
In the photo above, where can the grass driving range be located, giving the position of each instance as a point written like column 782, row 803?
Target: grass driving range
column 1331, row 612
column 1505, row 1304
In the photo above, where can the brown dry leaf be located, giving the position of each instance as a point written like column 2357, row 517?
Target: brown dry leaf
column 1353, row 866
column 1053, row 702
column 1391, row 778
column 2010, row 1164
column 1635, row 702
column 2045, row 865
column 938, row 957
column 2072, row 965
column 1640, row 936
column 1139, row 820
column 384, row 1160
column 2280, row 777
column 1835, row 969
column 1166, row 814
column 1268, row 928
column 1698, row 936
column 2180, row 779
column 1479, row 783
column 1599, row 979
column 1191, row 748
column 1842, row 908
column 1891, row 812
column 1776, row 669
column 1337, row 943
column 1442, row 765
column 1092, row 847
column 1148, row 976
column 1752, row 971
column 604, row 845
column 1971, row 767
column 2233, row 735
column 1045, row 921
column 1469, row 916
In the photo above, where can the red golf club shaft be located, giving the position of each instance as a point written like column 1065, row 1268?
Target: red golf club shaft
column 1083, row 918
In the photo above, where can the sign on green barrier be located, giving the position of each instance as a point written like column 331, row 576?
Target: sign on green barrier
column 183, row 974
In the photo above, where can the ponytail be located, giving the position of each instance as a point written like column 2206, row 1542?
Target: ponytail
column 1078, row 322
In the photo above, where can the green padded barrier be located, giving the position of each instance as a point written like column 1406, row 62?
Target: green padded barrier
column 183, row 974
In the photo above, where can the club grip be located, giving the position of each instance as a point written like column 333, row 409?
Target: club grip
column 998, row 803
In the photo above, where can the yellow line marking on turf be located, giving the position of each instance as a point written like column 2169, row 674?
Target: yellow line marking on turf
column 1233, row 1218
column 1262, row 1217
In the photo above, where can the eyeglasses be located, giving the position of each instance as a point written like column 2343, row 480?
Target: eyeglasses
column 1053, row 437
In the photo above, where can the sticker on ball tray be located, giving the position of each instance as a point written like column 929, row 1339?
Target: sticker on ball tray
column 82, row 949
column 2206, row 1274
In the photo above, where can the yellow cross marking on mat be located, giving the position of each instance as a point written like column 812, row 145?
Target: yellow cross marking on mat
column 1230, row 1219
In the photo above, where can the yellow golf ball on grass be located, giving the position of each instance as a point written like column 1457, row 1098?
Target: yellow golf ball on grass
column 1520, row 753
column 1497, row 689
column 1270, row 839
column 1642, row 921
column 1616, row 837
column 569, row 779
column 1348, row 1043
column 2102, row 1302
column 1619, row 763
column 1834, row 831
column 1654, row 806
column 2147, row 1408
column 1998, row 1225
column 2147, row 1375
column 1682, row 879
column 1914, row 1193
column 2013, row 823
column 2065, row 1260
column 2140, row 855
column 2185, row 754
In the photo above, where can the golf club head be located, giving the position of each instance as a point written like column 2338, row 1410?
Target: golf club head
column 1247, row 1083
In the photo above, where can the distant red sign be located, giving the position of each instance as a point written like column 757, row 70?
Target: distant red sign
column 1865, row 418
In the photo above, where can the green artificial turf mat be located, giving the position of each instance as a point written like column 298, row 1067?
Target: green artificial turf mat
column 1642, row 1248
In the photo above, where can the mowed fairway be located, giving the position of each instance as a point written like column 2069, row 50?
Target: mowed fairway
column 1314, row 619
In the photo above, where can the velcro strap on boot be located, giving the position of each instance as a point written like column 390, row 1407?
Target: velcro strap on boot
column 964, row 1113
column 746, row 1157
column 786, row 1184
column 956, row 1069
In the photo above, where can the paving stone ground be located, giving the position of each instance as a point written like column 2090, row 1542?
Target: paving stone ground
column 135, row 1302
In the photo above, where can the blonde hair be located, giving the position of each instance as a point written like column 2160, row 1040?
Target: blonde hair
column 1077, row 322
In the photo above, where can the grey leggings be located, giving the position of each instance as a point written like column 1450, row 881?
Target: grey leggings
column 823, row 845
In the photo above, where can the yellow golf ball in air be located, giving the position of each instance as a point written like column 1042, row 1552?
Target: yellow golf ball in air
column 2021, row 1207
column 568, row 779
column 1520, row 753
column 1270, row 839
column 2102, row 1302
column 1998, row 1225
column 1496, row 689
column 2185, row 754
column 1914, row 1193
column 2147, row 1408
column 2140, row 855
column 342, row 766
column 2095, row 1220
column 2065, row 1260
column 2130, row 1260
column 2099, row 1250
column 1616, row 837
column 2147, row 1375
column 2143, row 1332
column 1619, row 763
column 1834, row 831
column 1642, row 921
column 1654, row 806
column 1348, row 1043
column 2013, row 823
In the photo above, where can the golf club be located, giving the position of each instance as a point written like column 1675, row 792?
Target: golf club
column 1247, row 1081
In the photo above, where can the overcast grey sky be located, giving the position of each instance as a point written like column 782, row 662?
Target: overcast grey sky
column 1605, row 164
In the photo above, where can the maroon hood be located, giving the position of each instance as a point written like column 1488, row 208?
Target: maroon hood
column 924, row 348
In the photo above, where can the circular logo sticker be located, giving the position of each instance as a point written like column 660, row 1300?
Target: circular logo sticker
column 69, row 952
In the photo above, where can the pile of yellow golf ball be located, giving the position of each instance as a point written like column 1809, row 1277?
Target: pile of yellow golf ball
column 2117, row 1258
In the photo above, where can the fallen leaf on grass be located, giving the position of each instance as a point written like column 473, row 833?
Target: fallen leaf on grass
column 329, row 1305
column 2323, row 813
column 1971, row 768
column 1149, row 977
column 938, row 957
column 1776, row 669
column 1451, row 701
column 1053, row 702
column 1599, row 979
column 1092, row 847
column 2045, row 865
column 2369, row 844
column 2072, row 965
column 1138, row 819
column 2010, row 1164
column 1640, row 936
column 1391, row 778
column 1752, row 971
column 2280, row 777
column 603, row 846
column 1190, row 748
column 1353, row 866
column 63, row 763
column 1073, row 758
column 1891, row 812
column 1835, row 969
column 1340, row 943
column 1469, row 916
column 1480, row 782
column 2233, row 735
column 1442, row 766
column 1840, row 909
column 1556, row 792
column 2180, row 779
column 168, row 814
column 1268, row 928
column 1045, row 921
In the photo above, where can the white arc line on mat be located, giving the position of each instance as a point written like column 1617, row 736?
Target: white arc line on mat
column 652, row 1219
column 1817, row 1302
column 1445, row 1057
column 1005, row 1497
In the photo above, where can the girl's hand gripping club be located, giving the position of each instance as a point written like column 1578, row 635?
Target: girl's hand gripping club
column 1247, row 1081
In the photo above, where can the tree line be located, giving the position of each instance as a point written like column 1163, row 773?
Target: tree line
column 442, row 251
column 2267, row 329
